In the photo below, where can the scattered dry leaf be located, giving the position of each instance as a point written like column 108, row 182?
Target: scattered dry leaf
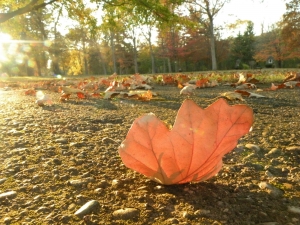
column 69, row 90
column 249, row 94
column 193, row 149
column 246, row 86
column 187, row 90
column 43, row 99
column 232, row 96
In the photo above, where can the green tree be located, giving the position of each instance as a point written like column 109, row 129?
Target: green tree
column 159, row 9
column 243, row 47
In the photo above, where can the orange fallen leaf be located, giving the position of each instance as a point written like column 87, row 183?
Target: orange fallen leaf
column 30, row 92
column 243, row 93
column 249, row 94
column 253, row 81
column 180, row 86
column 70, row 90
column 246, row 86
column 145, row 96
column 202, row 82
column 168, row 79
column 232, row 96
column 273, row 87
column 182, row 78
column 281, row 86
column 64, row 97
column 193, row 149
column 80, row 95
column 95, row 95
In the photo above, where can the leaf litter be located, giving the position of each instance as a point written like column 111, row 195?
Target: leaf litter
column 66, row 144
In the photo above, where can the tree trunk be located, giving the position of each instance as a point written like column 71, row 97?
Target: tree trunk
column 38, row 67
column 135, row 56
column 169, row 65
column 86, row 71
column 113, row 51
column 212, row 45
column 151, row 52
column 103, row 63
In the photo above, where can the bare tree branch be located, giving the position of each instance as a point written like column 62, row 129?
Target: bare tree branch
column 28, row 8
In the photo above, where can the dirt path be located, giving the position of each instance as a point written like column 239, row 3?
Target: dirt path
column 55, row 159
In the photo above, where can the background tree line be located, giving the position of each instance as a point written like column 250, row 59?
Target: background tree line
column 114, row 36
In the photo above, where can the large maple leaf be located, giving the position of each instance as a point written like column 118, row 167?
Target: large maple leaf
column 192, row 151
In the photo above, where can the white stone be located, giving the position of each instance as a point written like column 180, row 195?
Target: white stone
column 294, row 209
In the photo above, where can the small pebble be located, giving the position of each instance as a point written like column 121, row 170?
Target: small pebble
column 187, row 215
column 9, row 194
column 43, row 209
column 269, row 174
column 108, row 140
column 293, row 148
column 274, row 152
column 87, row 208
column 62, row 140
column 253, row 147
column 126, row 214
column 294, row 209
column 201, row 212
column 274, row 191
column 2, row 180
column 7, row 220
column 77, row 183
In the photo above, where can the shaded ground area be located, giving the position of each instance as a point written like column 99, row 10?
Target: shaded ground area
column 55, row 159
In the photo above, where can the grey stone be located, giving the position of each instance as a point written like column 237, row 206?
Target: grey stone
column 2, row 180
column 108, row 140
column 7, row 220
column 275, row 152
column 126, row 214
column 253, row 147
column 201, row 212
column 9, row 194
column 87, row 208
column 272, row 190
column 294, row 209
column 62, row 140
column 57, row 161
column 293, row 148
column 77, row 183
column 43, row 209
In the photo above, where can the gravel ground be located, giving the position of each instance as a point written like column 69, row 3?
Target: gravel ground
column 59, row 164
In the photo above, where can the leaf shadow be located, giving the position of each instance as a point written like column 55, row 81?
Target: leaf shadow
column 96, row 103
column 213, row 201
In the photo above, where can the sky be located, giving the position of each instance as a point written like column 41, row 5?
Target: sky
column 265, row 12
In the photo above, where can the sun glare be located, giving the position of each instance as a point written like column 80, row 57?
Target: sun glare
column 3, row 39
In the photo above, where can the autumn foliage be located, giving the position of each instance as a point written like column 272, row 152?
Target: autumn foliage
column 192, row 151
